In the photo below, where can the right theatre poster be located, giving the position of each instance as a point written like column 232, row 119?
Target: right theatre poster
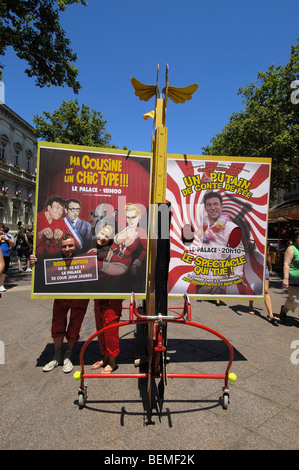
column 218, row 233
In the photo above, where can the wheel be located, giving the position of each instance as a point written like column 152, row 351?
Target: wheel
column 225, row 401
column 81, row 399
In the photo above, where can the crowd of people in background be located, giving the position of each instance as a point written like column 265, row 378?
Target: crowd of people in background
column 21, row 245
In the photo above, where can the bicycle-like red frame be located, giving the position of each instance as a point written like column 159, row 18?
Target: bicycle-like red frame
column 155, row 348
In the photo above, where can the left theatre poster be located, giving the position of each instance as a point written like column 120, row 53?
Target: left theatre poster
column 101, row 198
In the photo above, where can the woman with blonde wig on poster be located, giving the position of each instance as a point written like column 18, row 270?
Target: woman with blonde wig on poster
column 132, row 241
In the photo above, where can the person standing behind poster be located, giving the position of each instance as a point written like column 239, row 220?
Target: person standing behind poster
column 50, row 228
column 78, row 228
column 107, row 312
column 60, row 326
column 113, row 265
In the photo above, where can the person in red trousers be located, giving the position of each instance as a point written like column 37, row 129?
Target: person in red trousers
column 60, row 326
column 107, row 312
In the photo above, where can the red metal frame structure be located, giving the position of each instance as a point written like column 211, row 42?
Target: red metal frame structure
column 156, row 346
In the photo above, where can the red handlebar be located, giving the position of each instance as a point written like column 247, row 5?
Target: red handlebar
column 133, row 310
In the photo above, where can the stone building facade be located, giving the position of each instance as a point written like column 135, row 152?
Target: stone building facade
column 18, row 150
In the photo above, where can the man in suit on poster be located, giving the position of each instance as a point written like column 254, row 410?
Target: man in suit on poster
column 78, row 228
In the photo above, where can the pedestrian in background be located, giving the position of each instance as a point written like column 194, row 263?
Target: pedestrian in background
column 291, row 277
column 23, row 248
column 6, row 243
column 270, row 317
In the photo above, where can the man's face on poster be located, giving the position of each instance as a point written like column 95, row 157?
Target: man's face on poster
column 68, row 248
column 55, row 210
column 73, row 210
column 213, row 208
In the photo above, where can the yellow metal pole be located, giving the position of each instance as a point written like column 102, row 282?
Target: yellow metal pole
column 159, row 155
column 158, row 196
column 159, row 149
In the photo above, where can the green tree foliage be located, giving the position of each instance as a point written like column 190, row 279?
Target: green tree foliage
column 70, row 124
column 33, row 30
column 268, row 126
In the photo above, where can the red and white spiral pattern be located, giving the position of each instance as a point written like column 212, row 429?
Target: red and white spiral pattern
column 249, row 213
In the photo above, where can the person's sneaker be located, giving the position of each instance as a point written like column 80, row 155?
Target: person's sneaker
column 56, row 361
column 50, row 366
column 67, row 366
column 2, row 289
column 28, row 270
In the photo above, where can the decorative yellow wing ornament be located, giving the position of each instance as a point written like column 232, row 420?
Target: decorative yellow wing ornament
column 144, row 92
column 176, row 94
column 180, row 94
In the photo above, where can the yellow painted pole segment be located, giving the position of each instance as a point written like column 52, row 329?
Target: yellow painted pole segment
column 159, row 148
column 160, row 162
column 159, row 155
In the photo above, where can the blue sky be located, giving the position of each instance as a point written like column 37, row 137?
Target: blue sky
column 219, row 45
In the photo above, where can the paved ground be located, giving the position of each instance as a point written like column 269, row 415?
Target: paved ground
column 39, row 411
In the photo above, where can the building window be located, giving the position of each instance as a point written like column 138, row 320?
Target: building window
column 16, row 158
column 2, row 151
column 17, row 152
column 14, row 215
column 28, row 165
column 29, row 159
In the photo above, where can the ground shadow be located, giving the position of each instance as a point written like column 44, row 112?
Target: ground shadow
column 240, row 309
column 151, row 412
column 178, row 350
column 14, row 278
column 288, row 321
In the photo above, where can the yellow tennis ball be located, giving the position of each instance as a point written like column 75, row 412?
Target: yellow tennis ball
column 232, row 377
column 77, row 375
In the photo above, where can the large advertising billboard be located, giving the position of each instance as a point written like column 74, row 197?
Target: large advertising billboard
column 219, row 225
column 101, row 197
